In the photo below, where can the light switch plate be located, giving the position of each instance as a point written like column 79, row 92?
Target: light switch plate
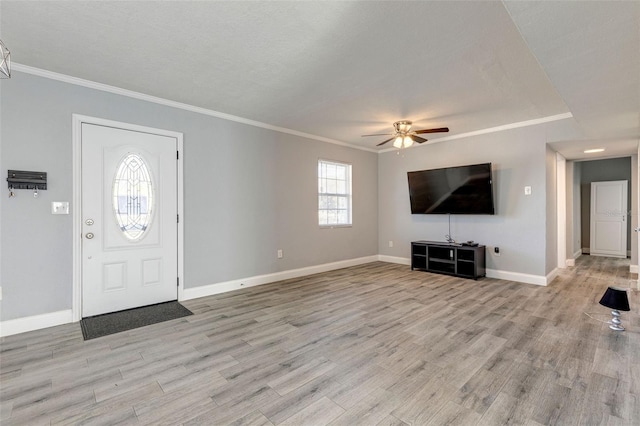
column 59, row 207
column 527, row 190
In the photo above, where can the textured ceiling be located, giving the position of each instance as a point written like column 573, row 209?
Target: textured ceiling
column 591, row 53
column 342, row 69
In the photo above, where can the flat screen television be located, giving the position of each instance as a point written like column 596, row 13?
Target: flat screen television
column 452, row 190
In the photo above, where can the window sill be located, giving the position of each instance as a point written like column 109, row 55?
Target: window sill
column 335, row 226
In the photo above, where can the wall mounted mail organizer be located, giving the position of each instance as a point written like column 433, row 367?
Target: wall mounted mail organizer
column 20, row 179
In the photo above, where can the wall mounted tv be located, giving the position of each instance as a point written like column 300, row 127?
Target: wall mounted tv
column 452, row 190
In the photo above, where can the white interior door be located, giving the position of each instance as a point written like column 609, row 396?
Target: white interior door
column 129, row 219
column 609, row 218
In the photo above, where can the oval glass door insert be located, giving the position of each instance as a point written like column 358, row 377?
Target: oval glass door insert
column 133, row 197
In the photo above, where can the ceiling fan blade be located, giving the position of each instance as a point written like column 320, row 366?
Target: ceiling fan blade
column 388, row 140
column 418, row 139
column 378, row 134
column 438, row 130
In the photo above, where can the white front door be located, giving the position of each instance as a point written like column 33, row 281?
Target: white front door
column 129, row 219
column 609, row 218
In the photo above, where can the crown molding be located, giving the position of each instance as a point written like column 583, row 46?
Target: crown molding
column 495, row 129
column 204, row 111
column 173, row 104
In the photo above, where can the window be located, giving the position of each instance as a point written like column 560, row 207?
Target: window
column 334, row 193
column 133, row 197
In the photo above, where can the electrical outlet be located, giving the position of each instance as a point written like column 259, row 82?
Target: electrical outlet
column 280, row 254
column 496, row 251
column 390, row 243
column 527, row 190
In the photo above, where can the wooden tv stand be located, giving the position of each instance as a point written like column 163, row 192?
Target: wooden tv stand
column 449, row 258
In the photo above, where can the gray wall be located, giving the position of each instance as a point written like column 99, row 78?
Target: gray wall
column 247, row 192
column 602, row 171
column 519, row 226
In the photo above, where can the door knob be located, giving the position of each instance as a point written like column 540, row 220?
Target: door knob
column 89, row 235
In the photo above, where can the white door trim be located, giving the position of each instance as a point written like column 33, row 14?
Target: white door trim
column 76, row 203
column 561, row 206
column 615, row 215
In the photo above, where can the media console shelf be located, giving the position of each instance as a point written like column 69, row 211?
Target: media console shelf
column 448, row 258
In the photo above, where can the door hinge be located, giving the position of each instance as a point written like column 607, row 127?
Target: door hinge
column 178, row 285
column 177, row 218
column 177, row 155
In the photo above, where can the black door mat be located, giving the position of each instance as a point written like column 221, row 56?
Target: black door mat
column 105, row 324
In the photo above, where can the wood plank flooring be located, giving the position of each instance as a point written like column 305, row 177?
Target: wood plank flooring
column 376, row 344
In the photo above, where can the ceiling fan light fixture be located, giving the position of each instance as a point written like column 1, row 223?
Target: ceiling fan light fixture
column 402, row 126
column 404, row 137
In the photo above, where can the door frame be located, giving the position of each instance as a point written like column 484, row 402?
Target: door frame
column 561, row 206
column 624, row 214
column 76, row 200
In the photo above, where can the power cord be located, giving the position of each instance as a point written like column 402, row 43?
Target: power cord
column 590, row 316
column 448, row 236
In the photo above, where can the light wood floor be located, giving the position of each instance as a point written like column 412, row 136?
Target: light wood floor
column 376, row 344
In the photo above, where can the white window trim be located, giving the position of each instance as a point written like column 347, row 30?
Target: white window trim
column 349, row 195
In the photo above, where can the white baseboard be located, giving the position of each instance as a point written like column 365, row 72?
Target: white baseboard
column 586, row 250
column 551, row 276
column 393, row 259
column 633, row 269
column 577, row 254
column 570, row 262
column 36, row 322
column 518, row 277
column 491, row 273
column 223, row 287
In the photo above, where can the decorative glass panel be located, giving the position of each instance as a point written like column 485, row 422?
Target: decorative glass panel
column 133, row 197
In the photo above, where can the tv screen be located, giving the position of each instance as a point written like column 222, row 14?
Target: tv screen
column 452, row 190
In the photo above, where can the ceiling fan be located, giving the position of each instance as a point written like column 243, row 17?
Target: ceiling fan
column 404, row 136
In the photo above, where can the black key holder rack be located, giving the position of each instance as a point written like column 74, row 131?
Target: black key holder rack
column 21, row 179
